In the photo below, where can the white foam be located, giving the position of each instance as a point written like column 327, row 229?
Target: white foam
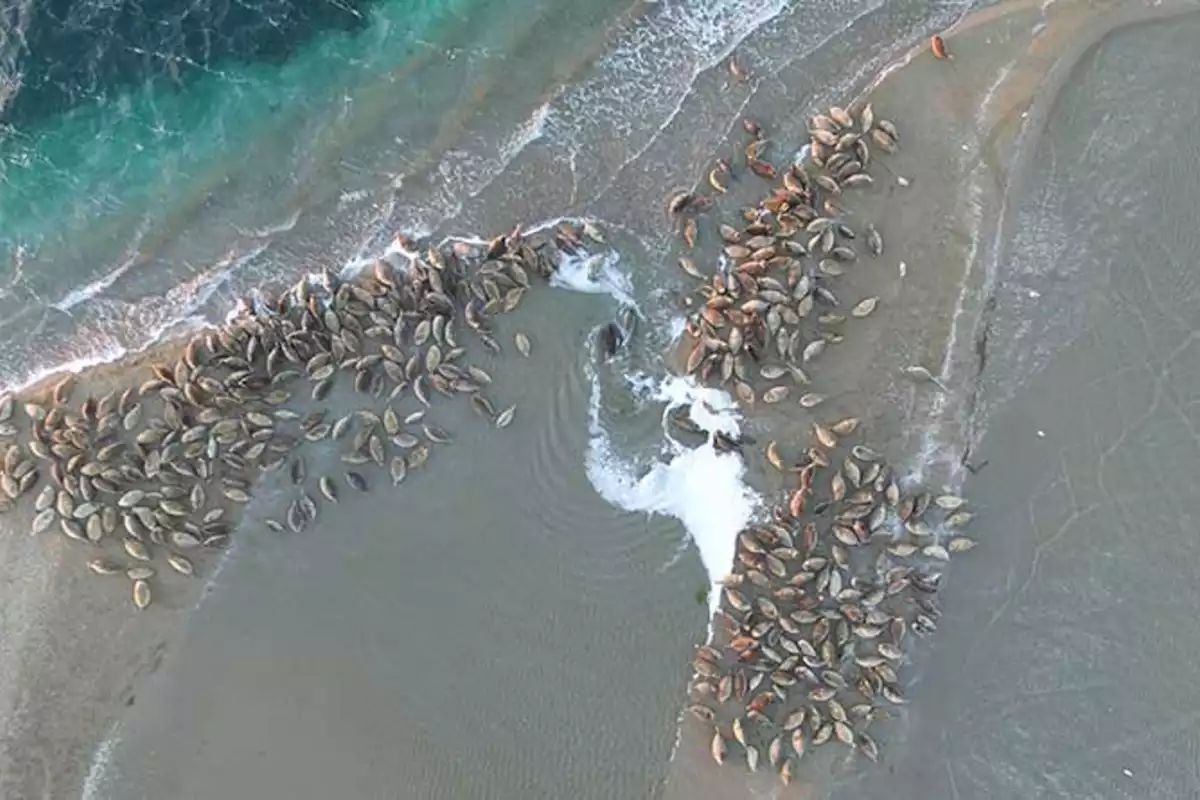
column 101, row 762
column 586, row 272
column 119, row 330
column 89, row 290
column 634, row 94
column 105, row 355
column 594, row 273
column 702, row 37
column 467, row 172
column 702, row 488
column 268, row 231
column 676, row 325
column 351, row 197
column 530, row 131
column 366, row 257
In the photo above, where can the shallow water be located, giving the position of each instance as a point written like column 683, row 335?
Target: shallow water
column 462, row 637
column 1059, row 681
column 519, row 620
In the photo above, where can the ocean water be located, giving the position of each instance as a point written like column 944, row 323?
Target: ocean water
column 150, row 184
column 129, row 203
column 144, row 193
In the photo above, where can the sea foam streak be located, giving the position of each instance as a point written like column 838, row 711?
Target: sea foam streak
column 702, row 488
column 114, row 330
column 594, row 274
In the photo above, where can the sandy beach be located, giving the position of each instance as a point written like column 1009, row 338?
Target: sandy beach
column 74, row 657
column 466, row 636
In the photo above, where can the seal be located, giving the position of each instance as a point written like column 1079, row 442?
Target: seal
column 610, row 340
column 679, row 202
column 714, row 180
column 763, row 169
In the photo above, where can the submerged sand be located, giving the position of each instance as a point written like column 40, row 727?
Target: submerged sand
column 1052, row 674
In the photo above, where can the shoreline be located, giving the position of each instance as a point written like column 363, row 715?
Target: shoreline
column 1021, row 85
column 78, row 650
column 164, row 350
column 120, row 654
column 60, row 608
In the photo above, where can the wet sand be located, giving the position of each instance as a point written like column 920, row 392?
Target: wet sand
column 1047, row 676
column 395, row 624
column 1061, row 675
column 1032, row 640
column 74, row 653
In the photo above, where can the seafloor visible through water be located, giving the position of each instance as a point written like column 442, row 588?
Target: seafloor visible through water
column 520, row 617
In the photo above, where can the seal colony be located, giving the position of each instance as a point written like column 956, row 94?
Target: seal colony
column 152, row 475
column 815, row 616
column 816, row 613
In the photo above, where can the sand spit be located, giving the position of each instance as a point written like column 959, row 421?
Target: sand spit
column 950, row 183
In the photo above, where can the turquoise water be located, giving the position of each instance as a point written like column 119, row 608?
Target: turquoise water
column 141, row 147
column 154, row 204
